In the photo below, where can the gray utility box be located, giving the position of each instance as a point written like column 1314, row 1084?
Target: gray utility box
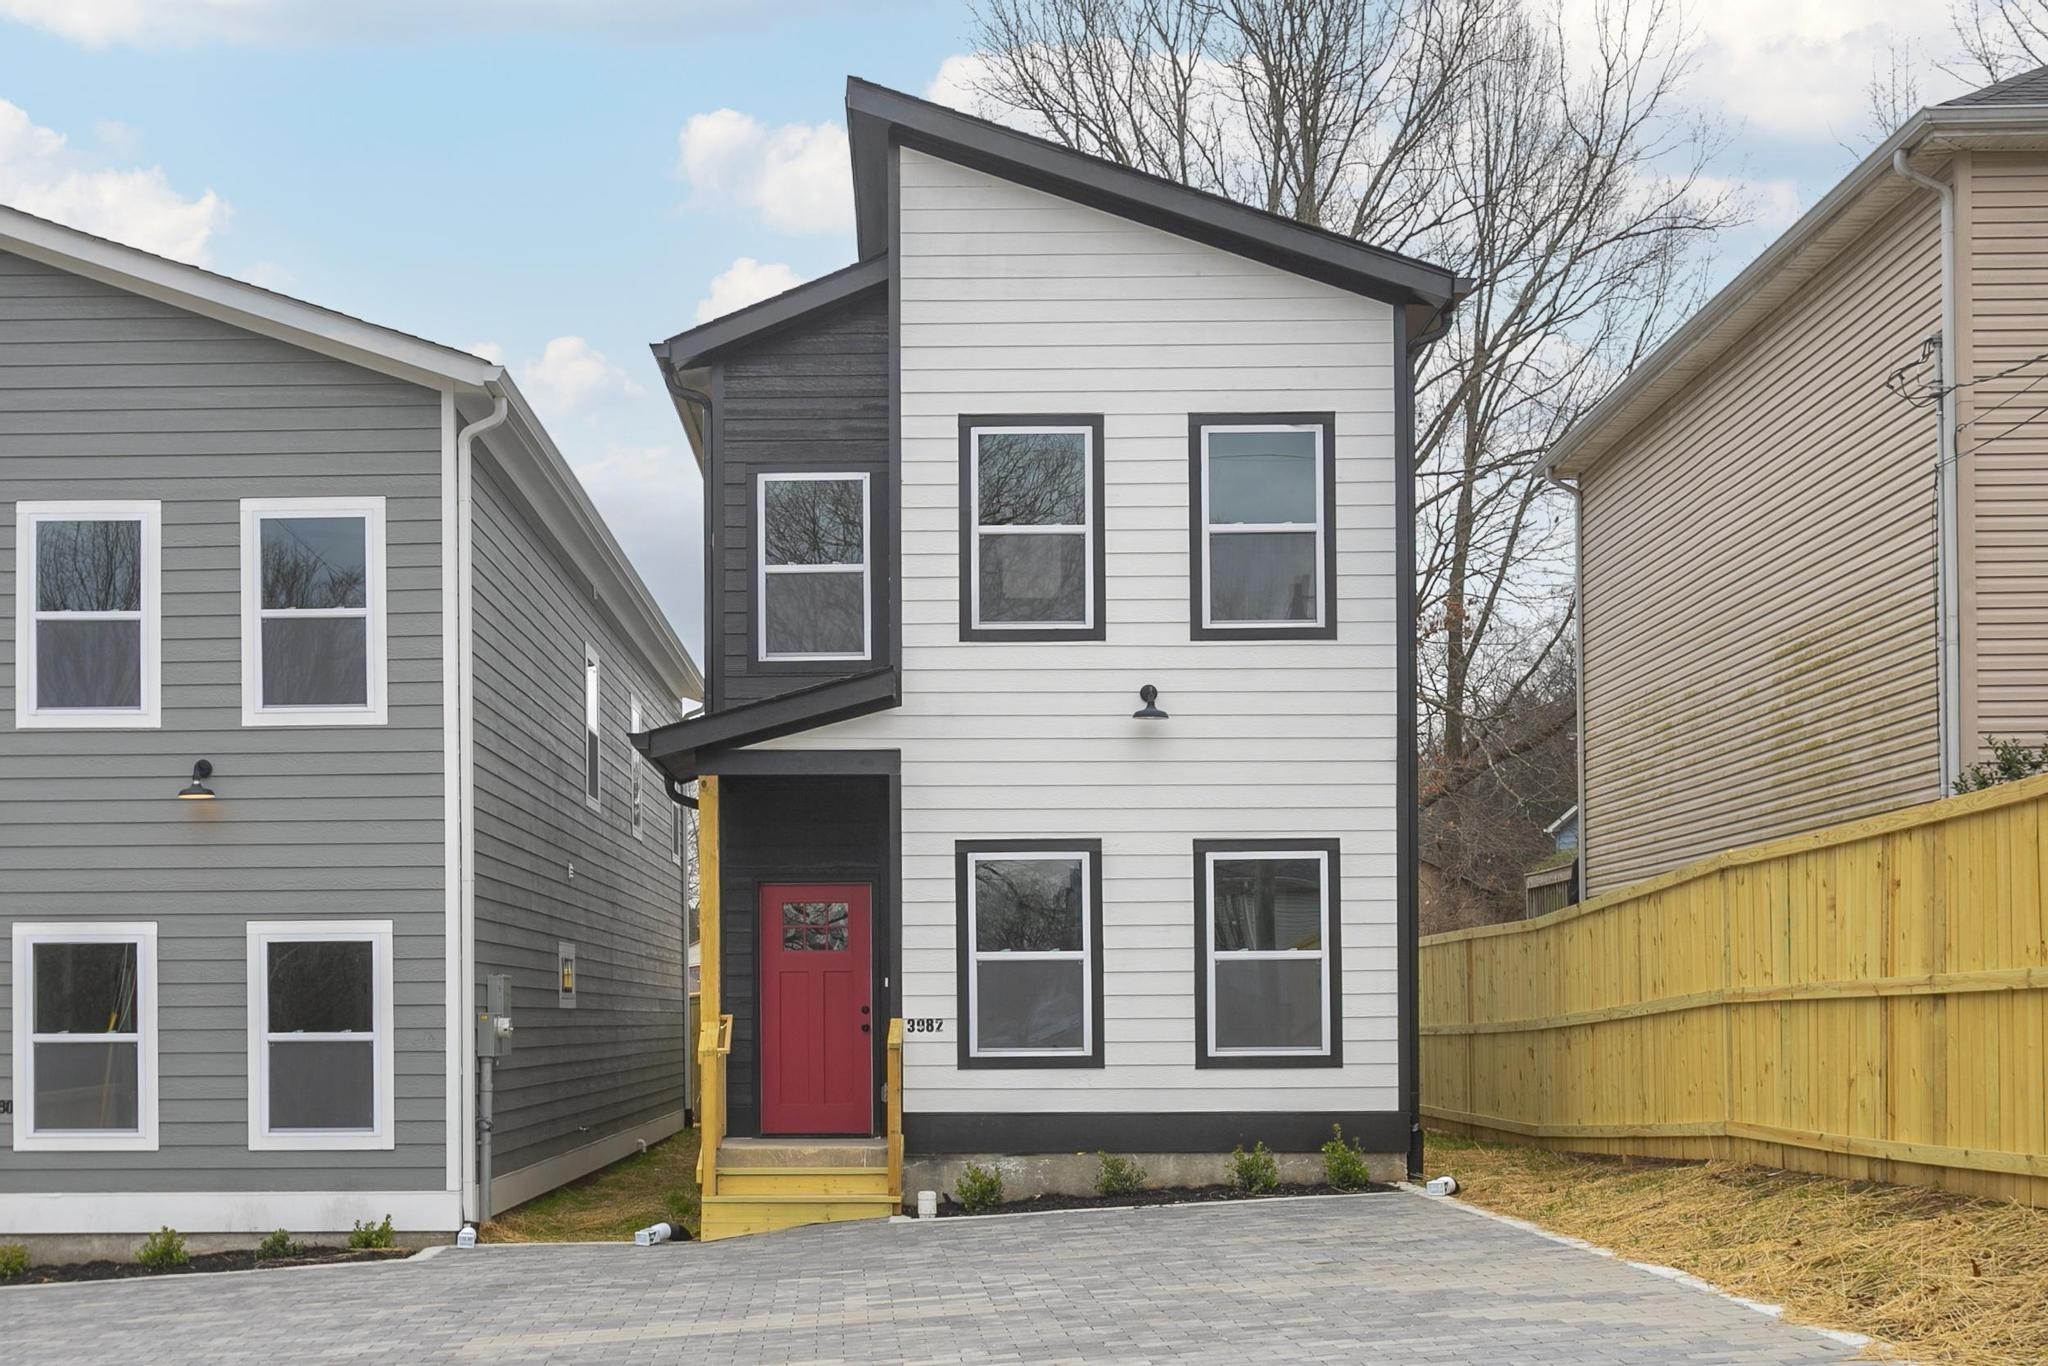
column 494, row 1023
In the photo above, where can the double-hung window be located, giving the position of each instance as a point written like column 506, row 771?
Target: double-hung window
column 320, row 1034
column 1031, row 548
column 1261, row 538
column 1266, row 936
column 87, row 615
column 593, row 744
column 1030, row 968
column 313, row 611
column 85, row 1050
column 812, row 596
column 639, row 815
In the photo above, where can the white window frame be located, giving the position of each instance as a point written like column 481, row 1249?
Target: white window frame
column 1085, row 956
column 675, row 854
column 1087, row 528
column 1211, row 954
column 377, row 933
column 29, row 714
column 762, row 569
column 375, row 711
column 589, row 774
column 633, row 761
column 27, row 1138
column 1211, row 529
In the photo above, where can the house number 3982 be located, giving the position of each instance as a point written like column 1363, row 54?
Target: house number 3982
column 923, row 1026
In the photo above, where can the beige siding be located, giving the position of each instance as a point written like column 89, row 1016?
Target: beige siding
column 2003, row 445
column 1758, row 561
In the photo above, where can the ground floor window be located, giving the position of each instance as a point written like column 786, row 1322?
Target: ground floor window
column 320, row 1034
column 85, row 1052
column 1266, row 934
column 1030, row 953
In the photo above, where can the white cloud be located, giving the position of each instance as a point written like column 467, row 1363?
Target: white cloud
column 745, row 281
column 796, row 177
column 41, row 173
column 296, row 23
column 568, row 376
column 955, row 83
column 490, row 351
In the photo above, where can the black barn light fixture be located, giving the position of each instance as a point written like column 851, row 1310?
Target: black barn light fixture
column 197, row 790
column 1149, row 695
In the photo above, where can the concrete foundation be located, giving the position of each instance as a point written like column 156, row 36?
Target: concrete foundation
column 65, row 1249
column 1027, row 1175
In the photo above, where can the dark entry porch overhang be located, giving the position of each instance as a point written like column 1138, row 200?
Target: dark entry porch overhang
column 689, row 749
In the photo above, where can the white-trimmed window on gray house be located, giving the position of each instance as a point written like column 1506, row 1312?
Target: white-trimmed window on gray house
column 1030, row 970
column 593, row 732
column 811, row 593
column 1031, row 513
column 88, row 615
column 1267, row 928
column 633, row 766
column 313, row 620
column 321, row 1049
column 1264, row 492
column 85, row 1037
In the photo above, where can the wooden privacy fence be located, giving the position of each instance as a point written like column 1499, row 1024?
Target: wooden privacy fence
column 1868, row 1001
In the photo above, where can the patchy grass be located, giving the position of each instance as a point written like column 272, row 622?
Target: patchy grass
column 1934, row 1277
column 611, row 1204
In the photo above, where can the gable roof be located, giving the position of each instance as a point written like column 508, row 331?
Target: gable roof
column 536, row 466
column 877, row 117
column 1869, row 192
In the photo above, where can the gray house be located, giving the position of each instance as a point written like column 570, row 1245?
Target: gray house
column 317, row 670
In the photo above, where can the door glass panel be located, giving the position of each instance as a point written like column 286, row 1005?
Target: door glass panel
column 813, row 926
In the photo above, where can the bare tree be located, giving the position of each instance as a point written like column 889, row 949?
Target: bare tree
column 1560, row 175
column 2001, row 38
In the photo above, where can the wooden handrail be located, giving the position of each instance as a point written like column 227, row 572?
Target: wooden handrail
column 893, row 1101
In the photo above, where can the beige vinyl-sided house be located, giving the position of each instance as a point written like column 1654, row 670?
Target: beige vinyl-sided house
column 1814, row 525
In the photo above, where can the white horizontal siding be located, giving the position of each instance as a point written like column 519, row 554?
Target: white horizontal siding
column 1014, row 301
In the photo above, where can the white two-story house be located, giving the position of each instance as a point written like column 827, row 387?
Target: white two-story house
column 1059, row 650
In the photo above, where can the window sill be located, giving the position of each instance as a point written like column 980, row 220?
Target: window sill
column 320, row 1143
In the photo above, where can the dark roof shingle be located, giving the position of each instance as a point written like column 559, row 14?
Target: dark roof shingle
column 2029, row 87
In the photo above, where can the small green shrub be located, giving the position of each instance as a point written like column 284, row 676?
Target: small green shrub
column 277, row 1243
column 1119, row 1175
column 980, row 1188
column 163, row 1250
column 1344, row 1164
column 368, row 1236
column 13, row 1260
column 1254, row 1172
column 2010, row 761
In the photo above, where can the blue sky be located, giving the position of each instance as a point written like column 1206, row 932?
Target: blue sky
column 511, row 174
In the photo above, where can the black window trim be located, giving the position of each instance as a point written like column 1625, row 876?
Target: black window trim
column 964, row 956
column 1333, row 952
column 968, row 521
column 1198, row 531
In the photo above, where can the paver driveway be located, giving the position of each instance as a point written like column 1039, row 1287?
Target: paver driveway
column 1389, row 1278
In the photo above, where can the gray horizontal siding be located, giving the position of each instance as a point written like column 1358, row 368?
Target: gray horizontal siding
column 104, row 395
column 616, row 1059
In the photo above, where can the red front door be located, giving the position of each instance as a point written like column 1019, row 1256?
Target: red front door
column 817, row 1023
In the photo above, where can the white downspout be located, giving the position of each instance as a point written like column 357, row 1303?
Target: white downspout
column 1947, row 520
column 1578, row 663
column 465, row 523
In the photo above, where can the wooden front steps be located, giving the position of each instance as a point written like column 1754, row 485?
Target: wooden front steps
column 768, row 1184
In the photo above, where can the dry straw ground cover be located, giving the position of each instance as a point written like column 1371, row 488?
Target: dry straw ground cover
column 1935, row 1277
column 609, row 1205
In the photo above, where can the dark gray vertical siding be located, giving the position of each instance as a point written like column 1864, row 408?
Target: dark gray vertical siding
column 814, row 396
column 616, row 1059
column 104, row 395
column 777, row 829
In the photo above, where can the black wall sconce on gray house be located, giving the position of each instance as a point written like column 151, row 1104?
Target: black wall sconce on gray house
column 197, row 790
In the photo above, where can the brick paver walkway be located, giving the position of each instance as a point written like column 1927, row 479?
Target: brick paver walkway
column 1385, row 1278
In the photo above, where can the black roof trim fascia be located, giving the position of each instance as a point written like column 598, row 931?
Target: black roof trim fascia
column 876, row 115
column 680, row 746
column 686, row 350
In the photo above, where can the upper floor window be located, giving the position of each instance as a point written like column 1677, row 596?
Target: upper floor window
column 1263, row 494
column 313, row 611
column 639, row 815
column 1031, row 547
column 1030, row 972
column 593, row 747
column 88, row 614
column 85, row 1046
column 1266, row 922
column 321, row 1050
column 812, row 595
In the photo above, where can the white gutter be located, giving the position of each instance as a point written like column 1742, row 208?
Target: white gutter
column 465, row 465
column 1948, row 577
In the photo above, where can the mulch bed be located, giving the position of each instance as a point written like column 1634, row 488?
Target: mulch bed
column 201, row 1262
column 1172, row 1195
